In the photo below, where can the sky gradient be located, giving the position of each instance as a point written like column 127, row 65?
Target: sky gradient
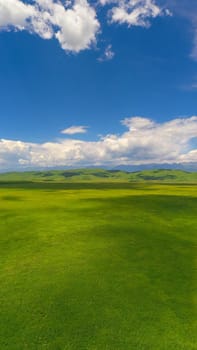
column 97, row 83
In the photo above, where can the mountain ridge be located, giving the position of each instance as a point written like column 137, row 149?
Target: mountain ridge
column 100, row 175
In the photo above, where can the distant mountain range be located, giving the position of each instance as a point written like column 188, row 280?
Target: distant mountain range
column 178, row 166
column 192, row 167
column 101, row 175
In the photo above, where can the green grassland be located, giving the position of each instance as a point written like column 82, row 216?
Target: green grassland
column 101, row 175
column 98, row 266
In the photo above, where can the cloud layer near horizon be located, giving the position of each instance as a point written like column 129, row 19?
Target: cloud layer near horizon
column 143, row 142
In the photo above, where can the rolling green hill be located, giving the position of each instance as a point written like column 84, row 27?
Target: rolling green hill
column 100, row 175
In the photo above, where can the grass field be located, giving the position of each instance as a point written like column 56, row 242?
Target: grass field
column 98, row 266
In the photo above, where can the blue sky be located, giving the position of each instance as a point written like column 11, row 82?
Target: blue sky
column 97, row 83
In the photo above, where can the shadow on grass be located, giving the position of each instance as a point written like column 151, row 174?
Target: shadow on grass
column 11, row 198
column 70, row 186
column 49, row 186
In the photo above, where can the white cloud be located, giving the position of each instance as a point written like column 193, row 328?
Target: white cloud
column 190, row 86
column 194, row 49
column 75, row 27
column 74, row 130
column 144, row 142
column 189, row 157
column 107, row 55
column 187, row 9
column 134, row 12
column 73, row 23
column 15, row 13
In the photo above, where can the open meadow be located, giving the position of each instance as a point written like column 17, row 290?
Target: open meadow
column 98, row 266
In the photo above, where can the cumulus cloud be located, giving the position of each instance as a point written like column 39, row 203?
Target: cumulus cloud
column 143, row 142
column 74, row 130
column 134, row 12
column 74, row 26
